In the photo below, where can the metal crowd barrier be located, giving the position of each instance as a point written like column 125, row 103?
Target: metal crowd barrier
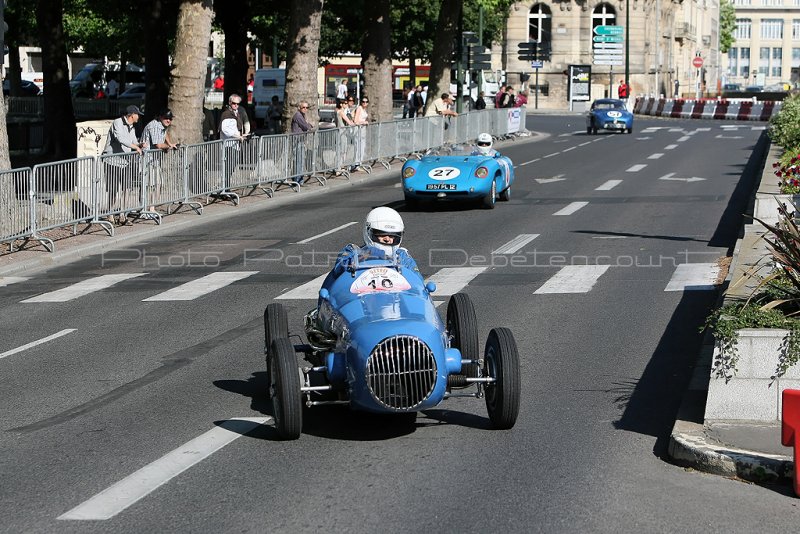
column 92, row 190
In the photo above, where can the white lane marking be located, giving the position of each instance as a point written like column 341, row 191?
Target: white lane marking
column 528, row 162
column 308, row 291
column 515, row 244
column 451, row 280
column 693, row 276
column 568, row 149
column 675, row 130
column 643, row 138
column 551, row 155
column 758, row 128
column 201, row 286
column 671, row 176
column 655, row 156
column 83, row 288
column 570, row 208
column 556, row 178
column 313, row 237
column 684, row 138
column 609, row 185
column 37, row 342
column 8, row 280
column 138, row 485
column 670, row 147
column 397, row 186
column 584, row 144
column 573, row 279
column 703, row 130
column 637, row 168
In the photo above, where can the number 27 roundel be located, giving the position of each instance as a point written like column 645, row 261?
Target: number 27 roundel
column 444, row 173
column 378, row 280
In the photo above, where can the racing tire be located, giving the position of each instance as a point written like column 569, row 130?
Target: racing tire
column 413, row 204
column 490, row 199
column 594, row 130
column 630, row 130
column 505, row 194
column 284, row 389
column 588, row 130
column 276, row 324
column 501, row 362
column 462, row 325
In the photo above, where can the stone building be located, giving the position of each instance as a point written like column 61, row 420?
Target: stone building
column 665, row 37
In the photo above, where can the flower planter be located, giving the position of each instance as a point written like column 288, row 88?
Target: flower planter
column 752, row 394
column 766, row 205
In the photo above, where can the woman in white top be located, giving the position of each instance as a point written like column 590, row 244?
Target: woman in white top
column 361, row 119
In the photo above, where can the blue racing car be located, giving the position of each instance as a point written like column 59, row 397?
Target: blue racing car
column 609, row 114
column 460, row 172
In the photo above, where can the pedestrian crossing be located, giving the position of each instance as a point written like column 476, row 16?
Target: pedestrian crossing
column 568, row 279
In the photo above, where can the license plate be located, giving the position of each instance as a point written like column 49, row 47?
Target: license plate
column 441, row 187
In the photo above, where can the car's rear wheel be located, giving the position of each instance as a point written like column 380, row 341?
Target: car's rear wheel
column 588, row 130
column 490, row 199
column 462, row 324
column 501, row 362
column 284, row 389
column 505, row 195
column 594, row 130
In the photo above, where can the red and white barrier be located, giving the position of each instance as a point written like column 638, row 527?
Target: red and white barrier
column 707, row 108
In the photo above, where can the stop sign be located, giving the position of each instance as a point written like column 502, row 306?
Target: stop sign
column 697, row 62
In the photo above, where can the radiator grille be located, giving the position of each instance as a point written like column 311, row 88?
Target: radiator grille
column 401, row 372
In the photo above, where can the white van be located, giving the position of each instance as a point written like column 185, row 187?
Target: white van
column 266, row 84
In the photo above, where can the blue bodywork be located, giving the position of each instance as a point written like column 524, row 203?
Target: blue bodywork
column 464, row 173
column 366, row 300
column 609, row 114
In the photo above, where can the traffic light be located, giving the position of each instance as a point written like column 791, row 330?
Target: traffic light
column 528, row 51
column 479, row 58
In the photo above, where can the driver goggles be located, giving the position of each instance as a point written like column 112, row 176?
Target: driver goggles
column 375, row 234
column 484, row 143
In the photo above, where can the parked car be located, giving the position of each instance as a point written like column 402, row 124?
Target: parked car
column 732, row 88
column 133, row 91
column 28, row 88
column 754, row 89
column 609, row 114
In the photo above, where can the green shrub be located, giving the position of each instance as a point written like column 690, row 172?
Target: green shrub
column 784, row 127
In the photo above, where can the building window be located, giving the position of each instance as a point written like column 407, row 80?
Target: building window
column 540, row 21
column 744, row 63
column 795, row 57
column 733, row 61
column 777, row 58
column 772, row 28
column 796, row 29
column 771, row 3
column 742, row 29
column 603, row 15
column 742, row 2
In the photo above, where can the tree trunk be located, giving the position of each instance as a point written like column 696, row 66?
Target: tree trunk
column 377, row 59
column 60, row 135
column 446, row 33
column 231, row 17
column 301, row 62
column 188, row 76
column 156, row 56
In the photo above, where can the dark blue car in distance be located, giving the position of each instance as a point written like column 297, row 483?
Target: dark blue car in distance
column 609, row 114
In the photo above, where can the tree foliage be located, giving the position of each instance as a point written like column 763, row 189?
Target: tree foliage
column 727, row 25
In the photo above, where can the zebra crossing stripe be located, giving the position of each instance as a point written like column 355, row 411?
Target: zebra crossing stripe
column 515, row 244
column 609, row 185
column 308, row 291
column 8, row 280
column 573, row 279
column 201, row 286
column 693, row 277
column 83, row 288
column 451, row 280
column 571, row 208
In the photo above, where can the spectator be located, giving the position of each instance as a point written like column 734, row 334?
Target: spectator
column 231, row 131
column 508, row 98
column 622, row 90
column 349, row 109
column 219, row 83
column 251, row 83
column 406, row 102
column 441, row 106
column 342, row 117
column 300, row 125
column 498, row 98
column 156, row 137
column 112, row 88
column 424, row 95
column 522, row 99
column 274, row 114
column 361, row 119
column 341, row 91
column 481, row 102
column 121, row 173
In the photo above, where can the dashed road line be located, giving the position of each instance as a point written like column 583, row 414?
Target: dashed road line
column 515, row 244
column 313, row 237
column 529, row 162
column 657, row 155
column 670, row 147
column 693, row 277
column 37, row 342
column 637, row 168
column 308, row 291
column 551, row 155
column 609, row 185
column 571, row 208
column 684, row 138
column 573, row 279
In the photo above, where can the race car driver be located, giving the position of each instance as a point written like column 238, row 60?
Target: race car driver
column 484, row 146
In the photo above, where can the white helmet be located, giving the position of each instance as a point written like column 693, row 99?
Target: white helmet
column 485, row 144
column 381, row 222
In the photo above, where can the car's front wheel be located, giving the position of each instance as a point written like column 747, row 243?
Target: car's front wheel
column 490, row 199
column 501, row 362
column 284, row 389
column 630, row 130
column 505, row 195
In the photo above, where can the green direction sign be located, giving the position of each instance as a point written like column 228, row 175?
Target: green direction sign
column 607, row 39
column 608, row 30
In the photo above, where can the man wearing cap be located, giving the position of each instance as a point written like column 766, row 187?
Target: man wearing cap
column 122, row 173
column 156, row 137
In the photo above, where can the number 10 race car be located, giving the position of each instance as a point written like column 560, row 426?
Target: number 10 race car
column 377, row 343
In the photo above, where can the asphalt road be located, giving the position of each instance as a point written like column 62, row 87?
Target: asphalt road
column 145, row 413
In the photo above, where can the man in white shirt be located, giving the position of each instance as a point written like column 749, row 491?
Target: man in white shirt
column 112, row 88
column 341, row 92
